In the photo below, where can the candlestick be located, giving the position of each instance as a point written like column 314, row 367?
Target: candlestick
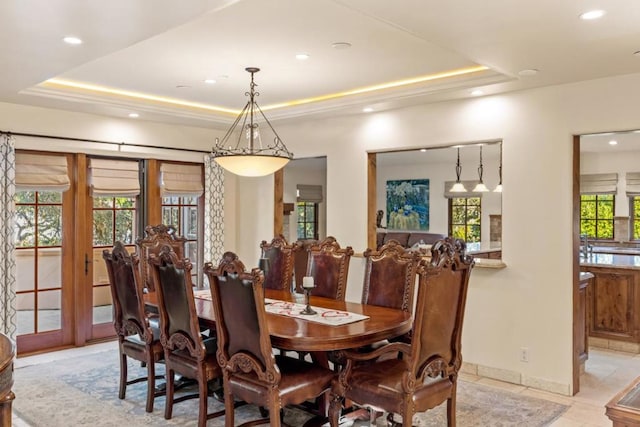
column 307, row 282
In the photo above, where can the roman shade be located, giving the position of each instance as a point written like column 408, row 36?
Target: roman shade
column 599, row 183
column 469, row 185
column 41, row 172
column 633, row 183
column 181, row 180
column 309, row 193
column 114, row 178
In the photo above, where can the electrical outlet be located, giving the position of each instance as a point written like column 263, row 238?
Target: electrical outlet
column 524, row 354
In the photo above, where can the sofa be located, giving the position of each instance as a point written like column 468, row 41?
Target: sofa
column 407, row 238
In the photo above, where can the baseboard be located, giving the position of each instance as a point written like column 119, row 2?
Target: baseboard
column 628, row 347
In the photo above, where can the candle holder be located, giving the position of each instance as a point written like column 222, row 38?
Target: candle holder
column 307, row 286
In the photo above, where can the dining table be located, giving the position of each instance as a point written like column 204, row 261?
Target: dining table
column 299, row 334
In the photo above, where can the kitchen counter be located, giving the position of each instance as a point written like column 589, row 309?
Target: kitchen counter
column 611, row 260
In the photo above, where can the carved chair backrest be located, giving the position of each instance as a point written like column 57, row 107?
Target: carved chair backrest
column 301, row 259
column 390, row 276
column 439, row 313
column 280, row 255
column 178, row 317
column 328, row 264
column 126, row 292
column 155, row 237
column 241, row 325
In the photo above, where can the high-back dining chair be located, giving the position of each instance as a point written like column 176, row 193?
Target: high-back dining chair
column 427, row 373
column 136, row 338
column 250, row 370
column 328, row 264
column 280, row 255
column 186, row 352
column 155, row 237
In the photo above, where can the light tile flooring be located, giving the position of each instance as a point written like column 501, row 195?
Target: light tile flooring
column 606, row 373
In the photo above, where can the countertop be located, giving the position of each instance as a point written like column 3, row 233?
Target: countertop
column 611, row 260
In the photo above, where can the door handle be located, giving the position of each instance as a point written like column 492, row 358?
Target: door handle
column 86, row 264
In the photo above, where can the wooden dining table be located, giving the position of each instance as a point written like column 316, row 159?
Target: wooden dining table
column 299, row 334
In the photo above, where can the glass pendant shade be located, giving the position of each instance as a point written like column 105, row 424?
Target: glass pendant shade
column 242, row 150
column 498, row 188
column 458, row 187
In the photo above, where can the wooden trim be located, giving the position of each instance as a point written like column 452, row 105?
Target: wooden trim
column 68, row 320
column 575, row 264
column 278, row 202
column 154, row 201
column 82, row 231
column 372, row 202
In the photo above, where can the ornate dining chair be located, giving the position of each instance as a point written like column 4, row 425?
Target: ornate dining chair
column 136, row 338
column 328, row 264
column 427, row 373
column 155, row 237
column 280, row 256
column 186, row 352
column 251, row 372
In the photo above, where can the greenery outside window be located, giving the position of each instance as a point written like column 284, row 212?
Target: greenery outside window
column 634, row 208
column 182, row 213
column 307, row 216
column 464, row 218
column 596, row 215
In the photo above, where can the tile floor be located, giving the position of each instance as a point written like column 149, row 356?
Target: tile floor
column 606, row 373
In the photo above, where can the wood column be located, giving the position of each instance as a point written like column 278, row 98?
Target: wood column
column 278, row 202
column 372, row 176
column 154, row 201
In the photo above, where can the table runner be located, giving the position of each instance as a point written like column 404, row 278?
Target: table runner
column 326, row 316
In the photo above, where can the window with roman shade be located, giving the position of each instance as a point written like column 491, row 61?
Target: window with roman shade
column 469, row 185
column 179, row 180
column 41, row 172
column 633, row 183
column 309, row 193
column 114, row 178
column 599, row 183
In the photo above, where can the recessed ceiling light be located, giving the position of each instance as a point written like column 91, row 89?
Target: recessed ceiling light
column 183, row 87
column 341, row 45
column 210, row 81
column 367, row 109
column 477, row 92
column 72, row 40
column 423, row 150
column 613, row 142
column 637, row 53
column 592, row 14
column 134, row 115
column 528, row 72
column 302, row 56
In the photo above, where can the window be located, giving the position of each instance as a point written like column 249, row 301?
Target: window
column 182, row 213
column 634, row 209
column 596, row 215
column 464, row 218
column 307, row 214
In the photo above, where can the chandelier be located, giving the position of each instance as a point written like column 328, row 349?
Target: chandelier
column 242, row 150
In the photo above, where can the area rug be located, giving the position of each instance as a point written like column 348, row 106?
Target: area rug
column 83, row 391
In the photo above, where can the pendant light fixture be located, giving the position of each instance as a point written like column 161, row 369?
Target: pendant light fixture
column 242, row 150
column 498, row 188
column 480, row 187
column 458, row 187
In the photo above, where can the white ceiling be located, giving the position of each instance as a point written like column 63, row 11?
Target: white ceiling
column 152, row 46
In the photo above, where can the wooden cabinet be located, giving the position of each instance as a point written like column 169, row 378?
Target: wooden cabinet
column 582, row 339
column 613, row 303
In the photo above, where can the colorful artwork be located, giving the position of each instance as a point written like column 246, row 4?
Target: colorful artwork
column 408, row 204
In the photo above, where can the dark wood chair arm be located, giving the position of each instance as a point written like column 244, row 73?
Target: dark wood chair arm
column 395, row 347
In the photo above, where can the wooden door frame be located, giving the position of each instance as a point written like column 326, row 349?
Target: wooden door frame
column 575, row 264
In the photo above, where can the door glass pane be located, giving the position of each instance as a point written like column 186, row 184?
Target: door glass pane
column 102, row 305
column 49, row 311
column 49, row 225
column 25, row 305
column 102, row 228
column 49, row 268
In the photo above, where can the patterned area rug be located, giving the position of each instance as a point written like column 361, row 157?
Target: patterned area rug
column 84, row 391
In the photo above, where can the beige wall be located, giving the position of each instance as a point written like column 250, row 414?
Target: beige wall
column 528, row 304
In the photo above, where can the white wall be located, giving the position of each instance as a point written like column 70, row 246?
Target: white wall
column 527, row 304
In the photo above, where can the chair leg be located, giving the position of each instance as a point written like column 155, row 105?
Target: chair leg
column 451, row 410
column 168, row 408
column 407, row 418
column 335, row 406
column 274, row 410
column 229, row 414
column 202, row 413
column 151, row 385
column 123, row 375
